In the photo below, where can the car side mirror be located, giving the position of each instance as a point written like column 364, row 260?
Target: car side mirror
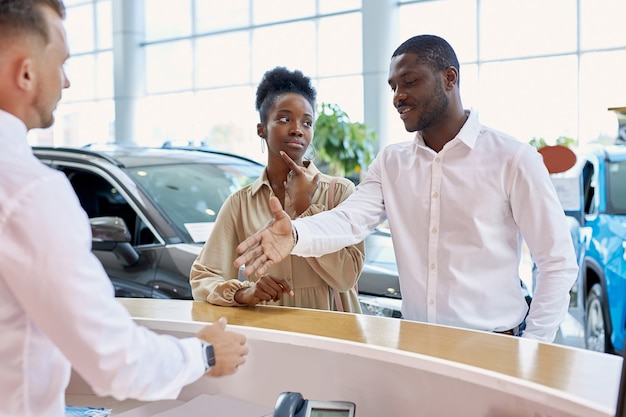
column 109, row 229
column 111, row 234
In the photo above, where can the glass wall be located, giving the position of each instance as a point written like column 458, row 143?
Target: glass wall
column 534, row 68
column 531, row 68
column 86, row 113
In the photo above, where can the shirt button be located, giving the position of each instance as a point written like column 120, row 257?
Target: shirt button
column 431, row 301
column 437, row 159
column 432, row 266
column 435, row 194
column 434, row 230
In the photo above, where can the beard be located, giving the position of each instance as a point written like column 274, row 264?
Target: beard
column 430, row 112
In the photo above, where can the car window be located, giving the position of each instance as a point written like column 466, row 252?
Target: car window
column 616, row 187
column 191, row 195
column 589, row 189
column 99, row 198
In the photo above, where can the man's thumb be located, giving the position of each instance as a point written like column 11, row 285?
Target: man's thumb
column 277, row 208
column 221, row 323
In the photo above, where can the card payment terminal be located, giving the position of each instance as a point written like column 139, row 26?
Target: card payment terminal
column 292, row 404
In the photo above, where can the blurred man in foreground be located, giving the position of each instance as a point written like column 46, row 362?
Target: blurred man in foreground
column 57, row 305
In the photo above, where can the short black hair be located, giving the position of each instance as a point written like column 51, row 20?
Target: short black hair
column 25, row 16
column 431, row 50
column 280, row 80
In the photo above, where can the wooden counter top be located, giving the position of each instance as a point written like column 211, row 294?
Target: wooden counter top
column 589, row 375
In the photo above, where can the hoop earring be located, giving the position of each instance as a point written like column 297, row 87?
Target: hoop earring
column 310, row 153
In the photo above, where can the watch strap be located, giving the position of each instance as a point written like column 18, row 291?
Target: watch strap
column 208, row 355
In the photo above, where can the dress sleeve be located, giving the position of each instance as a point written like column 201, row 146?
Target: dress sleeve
column 213, row 277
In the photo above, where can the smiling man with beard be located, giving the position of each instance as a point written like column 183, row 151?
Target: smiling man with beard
column 460, row 199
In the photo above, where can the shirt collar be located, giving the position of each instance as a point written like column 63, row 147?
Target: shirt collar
column 260, row 182
column 468, row 134
column 311, row 171
column 470, row 130
column 13, row 133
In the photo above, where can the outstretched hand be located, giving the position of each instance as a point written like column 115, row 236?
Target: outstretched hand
column 269, row 245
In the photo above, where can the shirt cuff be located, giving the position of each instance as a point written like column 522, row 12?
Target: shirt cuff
column 302, row 231
column 193, row 350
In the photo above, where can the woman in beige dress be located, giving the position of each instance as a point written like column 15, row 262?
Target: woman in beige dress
column 285, row 101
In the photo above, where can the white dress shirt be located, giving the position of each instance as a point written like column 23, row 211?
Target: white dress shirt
column 457, row 219
column 56, row 302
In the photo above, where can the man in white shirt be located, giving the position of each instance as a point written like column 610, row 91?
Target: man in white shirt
column 460, row 198
column 57, row 305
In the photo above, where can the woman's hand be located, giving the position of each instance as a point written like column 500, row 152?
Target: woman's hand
column 298, row 186
column 267, row 288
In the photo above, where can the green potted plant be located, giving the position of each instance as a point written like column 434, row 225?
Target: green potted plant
column 345, row 147
column 561, row 140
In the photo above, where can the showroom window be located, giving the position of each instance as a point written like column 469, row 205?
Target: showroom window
column 217, row 58
column 541, row 80
column 204, row 58
column 86, row 113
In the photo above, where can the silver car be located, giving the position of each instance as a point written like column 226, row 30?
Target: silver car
column 151, row 210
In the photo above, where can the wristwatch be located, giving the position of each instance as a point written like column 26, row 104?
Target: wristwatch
column 208, row 355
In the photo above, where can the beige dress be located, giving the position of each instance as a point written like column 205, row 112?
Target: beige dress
column 214, row 278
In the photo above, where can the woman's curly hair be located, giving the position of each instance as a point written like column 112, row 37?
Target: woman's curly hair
column 278, row 81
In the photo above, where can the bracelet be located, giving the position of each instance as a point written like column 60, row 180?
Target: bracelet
column 294, row 234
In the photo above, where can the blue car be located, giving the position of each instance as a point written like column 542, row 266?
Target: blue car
column 593, row 195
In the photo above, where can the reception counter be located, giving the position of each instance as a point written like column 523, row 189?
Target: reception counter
column 388, row 367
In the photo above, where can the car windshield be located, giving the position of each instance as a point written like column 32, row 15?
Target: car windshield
column 191, row 195
column 616, row 193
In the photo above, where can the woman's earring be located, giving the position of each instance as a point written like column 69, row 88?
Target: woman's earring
column 310, row 153
column 262, row 145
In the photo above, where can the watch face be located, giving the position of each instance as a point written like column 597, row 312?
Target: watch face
column 209, row 354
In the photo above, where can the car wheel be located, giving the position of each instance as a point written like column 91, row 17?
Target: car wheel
column 596, row 337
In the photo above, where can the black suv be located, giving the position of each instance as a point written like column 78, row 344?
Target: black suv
column 151, row 210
